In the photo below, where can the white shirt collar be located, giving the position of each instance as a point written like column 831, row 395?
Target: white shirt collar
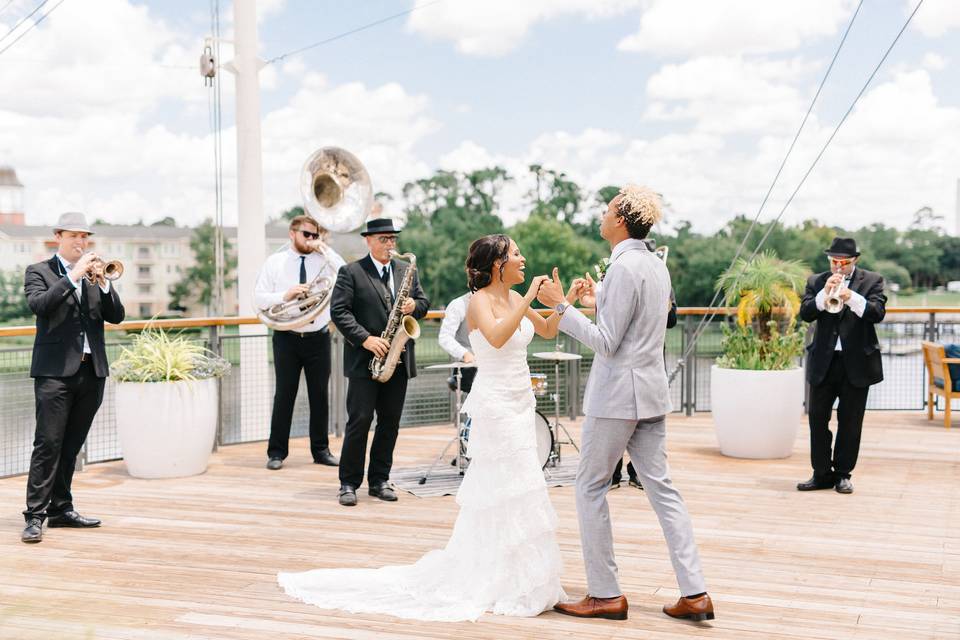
column 380, row 265
column 626, row 245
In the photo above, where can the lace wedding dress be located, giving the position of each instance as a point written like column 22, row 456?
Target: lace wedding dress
column 502, row 556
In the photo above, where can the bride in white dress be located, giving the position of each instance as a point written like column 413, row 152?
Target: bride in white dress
column 502, row 556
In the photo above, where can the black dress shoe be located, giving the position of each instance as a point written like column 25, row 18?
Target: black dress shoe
column 33, row 532
column 347, row 496
column 383, row 491
column 327, row 458
column 635, row 482
column 844, row 486
column 72, row 519
column 815, row 484
column 274, row 463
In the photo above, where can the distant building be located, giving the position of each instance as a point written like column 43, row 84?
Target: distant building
column 11, row 197
column 154, row 258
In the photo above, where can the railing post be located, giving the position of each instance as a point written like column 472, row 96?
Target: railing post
column 931, row 329
column 338, row 382
column 689, row 392
column 213, row 343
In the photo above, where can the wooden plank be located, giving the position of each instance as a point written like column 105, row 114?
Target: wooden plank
column 197, row 557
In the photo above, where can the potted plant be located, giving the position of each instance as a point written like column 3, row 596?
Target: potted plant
column 756, row 385
column 167, row 404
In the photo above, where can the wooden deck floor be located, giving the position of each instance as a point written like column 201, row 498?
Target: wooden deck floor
column 197, row 557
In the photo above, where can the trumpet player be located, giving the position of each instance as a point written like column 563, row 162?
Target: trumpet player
column 69, row 369
column 286, row 276
column 842, row 361
column 362, row 301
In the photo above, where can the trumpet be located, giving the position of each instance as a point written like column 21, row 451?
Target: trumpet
column 832, row 302
column 101, row 271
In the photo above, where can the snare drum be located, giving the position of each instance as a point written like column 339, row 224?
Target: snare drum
column 538, row 381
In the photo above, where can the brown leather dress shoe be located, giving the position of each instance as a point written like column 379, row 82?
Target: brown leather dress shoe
column 589, row 607
column 699, row 609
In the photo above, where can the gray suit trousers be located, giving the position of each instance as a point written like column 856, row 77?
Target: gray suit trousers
column 603, row 443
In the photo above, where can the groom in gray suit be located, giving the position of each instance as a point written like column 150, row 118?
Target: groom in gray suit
column 627, row 399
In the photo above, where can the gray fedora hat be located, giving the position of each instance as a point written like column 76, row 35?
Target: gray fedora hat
column 72, row 221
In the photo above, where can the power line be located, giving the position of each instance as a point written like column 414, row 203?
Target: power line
column 816, row 160
column 707, row 318
column 23, row 19
column 33, row 26
column 353, row 31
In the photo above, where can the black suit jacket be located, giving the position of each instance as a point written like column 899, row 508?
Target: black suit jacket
column 360, row 307
column 62, row 320
column 858, row 336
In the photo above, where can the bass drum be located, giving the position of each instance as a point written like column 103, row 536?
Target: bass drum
column 544, row 439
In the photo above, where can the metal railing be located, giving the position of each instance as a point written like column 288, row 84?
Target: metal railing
column 428, row 399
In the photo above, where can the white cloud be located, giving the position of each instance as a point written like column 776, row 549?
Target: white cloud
column 898, row 151
column 96, row 123
column 935, row 17
column 934, row 62
column 495, row 27
column 705, row 27
column 729, row 94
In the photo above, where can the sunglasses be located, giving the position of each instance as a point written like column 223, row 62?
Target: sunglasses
column 309, row 235
column 387, row 239
column 841, row 262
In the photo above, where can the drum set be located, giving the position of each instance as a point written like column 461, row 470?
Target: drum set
column 550, row 435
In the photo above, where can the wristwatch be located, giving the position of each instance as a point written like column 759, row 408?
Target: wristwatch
column 560, row 308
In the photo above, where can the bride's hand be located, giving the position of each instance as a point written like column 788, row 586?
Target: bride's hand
column 535, row 285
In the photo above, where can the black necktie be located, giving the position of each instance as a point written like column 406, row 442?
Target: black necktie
column 385, row 277
column 303, row 269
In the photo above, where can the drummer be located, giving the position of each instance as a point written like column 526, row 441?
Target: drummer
column 454, row 339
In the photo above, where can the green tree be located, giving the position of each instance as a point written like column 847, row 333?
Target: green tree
column 547, row 243
column 13, row 302
column 555, row 196
column 167, row 221
column 198, row 281
column 445, row 213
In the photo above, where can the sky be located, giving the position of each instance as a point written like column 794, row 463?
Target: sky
column 102, row 108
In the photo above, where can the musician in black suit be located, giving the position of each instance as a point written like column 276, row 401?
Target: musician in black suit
column 69, row 369
column 360, row 305
column 842, row 362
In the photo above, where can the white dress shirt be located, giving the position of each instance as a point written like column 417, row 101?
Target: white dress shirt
column 79, row 292
column 282, row 271
column 857, row 303
column 380, row 267
column 454, row 316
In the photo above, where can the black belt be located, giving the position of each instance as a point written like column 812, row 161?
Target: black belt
column 86, row 357
column 307, row 334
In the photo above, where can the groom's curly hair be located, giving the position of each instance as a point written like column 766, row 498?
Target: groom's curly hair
column 484, row 252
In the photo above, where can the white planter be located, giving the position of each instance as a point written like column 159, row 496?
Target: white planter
column 167, row 429
column 756, row 413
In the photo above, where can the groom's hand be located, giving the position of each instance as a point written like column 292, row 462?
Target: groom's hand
column 551, row 293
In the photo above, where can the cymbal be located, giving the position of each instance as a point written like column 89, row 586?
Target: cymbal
column 453, row 365
column 557, row 355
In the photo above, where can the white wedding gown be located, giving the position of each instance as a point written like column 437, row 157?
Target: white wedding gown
column 502, row 556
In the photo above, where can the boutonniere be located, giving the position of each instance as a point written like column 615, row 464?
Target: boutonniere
column 601, row 268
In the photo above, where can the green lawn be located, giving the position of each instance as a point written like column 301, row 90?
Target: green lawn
column 929, row 299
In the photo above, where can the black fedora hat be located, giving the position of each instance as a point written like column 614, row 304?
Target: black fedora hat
column 845, row 247
column 380, row 225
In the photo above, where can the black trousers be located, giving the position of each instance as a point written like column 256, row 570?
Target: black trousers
column 364, row 397
column 291, row 355
column 618, row 471
column 65, row 410
column 850, row 410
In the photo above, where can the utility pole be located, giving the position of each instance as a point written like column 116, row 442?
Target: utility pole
column 251, row 235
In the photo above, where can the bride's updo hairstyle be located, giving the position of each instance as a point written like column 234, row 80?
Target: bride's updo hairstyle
column 483, row 253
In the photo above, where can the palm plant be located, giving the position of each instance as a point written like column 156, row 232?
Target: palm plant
column 766, row 292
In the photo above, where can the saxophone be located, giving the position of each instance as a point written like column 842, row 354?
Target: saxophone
column 400, row 328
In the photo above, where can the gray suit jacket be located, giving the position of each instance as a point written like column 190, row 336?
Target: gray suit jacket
column 627, row 380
